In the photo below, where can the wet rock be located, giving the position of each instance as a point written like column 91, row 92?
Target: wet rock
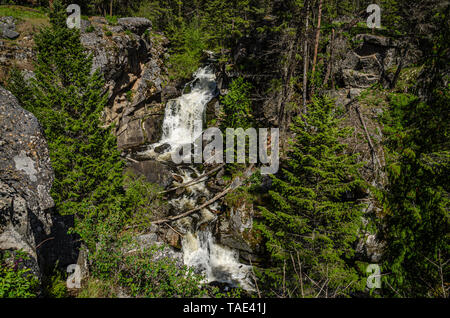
column 163, row 148
column 178, row 178
column 168, row 92
column 26, row 176
column 235, row 230
column 212, row 109
column 213, row 187
column 180, row 191
column 173, row 239
column 153, row 128
column 154, row 172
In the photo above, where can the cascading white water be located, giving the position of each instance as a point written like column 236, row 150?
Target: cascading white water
column 181, row 113
column 200, row 249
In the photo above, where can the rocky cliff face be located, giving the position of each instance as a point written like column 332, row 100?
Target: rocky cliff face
column 26, row 177
column 131, row 61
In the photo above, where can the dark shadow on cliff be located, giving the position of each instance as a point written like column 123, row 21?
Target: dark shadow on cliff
column 58, row 249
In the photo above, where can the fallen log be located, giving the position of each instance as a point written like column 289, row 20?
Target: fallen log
column 369, row 140
column 195, row 181
column 237, row 182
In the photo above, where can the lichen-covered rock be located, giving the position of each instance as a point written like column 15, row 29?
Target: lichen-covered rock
column 236, row 231
column 8, row 28
column 26, row 177
column 135, row 24
column 371, row 60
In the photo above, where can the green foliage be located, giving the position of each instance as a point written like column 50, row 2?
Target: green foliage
column 417, row 201
column 55, row 285
column 22, row 13
column 96, row 288
column 16, row 281
column 112, row 20
column 68, row 101
column 417, row 197
column 129, row 96
column 158, row 278
column 145, row 201
column 237, row 105
column 119, row 261
column 314, row 218
column 90, row 29
column 189, row 42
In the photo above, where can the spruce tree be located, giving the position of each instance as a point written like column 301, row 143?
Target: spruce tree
column 415, row 227
column 314, row 220
column 68, row 100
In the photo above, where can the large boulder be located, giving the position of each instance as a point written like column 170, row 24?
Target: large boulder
column 373, row 59
column 235, row 231
column 135, row 24
column 8, row 28
column 154, row 172
column 26, row 177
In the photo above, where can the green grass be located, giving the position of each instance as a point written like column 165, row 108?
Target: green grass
column 22, row 13
column 112, row 20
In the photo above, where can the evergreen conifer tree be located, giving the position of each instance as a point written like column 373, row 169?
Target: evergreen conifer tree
column 314, row 222
column 68, row 100
column 416, row 224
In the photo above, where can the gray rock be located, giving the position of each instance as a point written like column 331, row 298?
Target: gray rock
column 169, row 92
column 84, row 25
column 357, row 79
column 26, row 177
column 163, row 148
column 375, row 40
column 10, row 34
column 154, row 172
column 8, row 28
column 131, row 136
column 135, row 24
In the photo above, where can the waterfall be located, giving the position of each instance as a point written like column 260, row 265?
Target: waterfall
column 200, row 249
column 181, row 113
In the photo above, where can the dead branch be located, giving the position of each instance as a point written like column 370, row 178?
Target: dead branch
column 237, row 182
column 195, row 181
column 369, row 140
column 254, row 278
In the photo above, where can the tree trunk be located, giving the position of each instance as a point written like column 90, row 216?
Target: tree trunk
column 305, row 60
column 316, row 45
column 330, row 62
column 111, row 8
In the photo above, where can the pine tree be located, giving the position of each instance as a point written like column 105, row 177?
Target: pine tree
column 313, row 224
column 68, row 100
column 417, row 197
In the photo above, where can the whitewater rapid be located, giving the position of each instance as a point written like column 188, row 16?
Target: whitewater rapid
column 200, row 249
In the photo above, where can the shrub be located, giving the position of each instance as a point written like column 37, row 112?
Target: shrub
column 16, row 281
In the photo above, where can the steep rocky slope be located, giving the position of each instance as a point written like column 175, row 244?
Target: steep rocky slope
column 26, row 177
